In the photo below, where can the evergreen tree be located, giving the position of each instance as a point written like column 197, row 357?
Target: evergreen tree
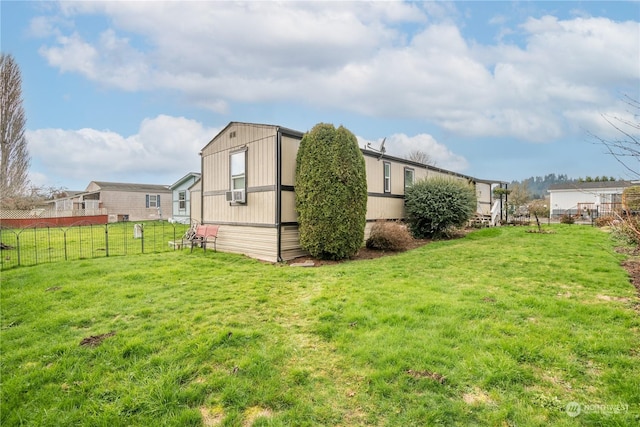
column 331, row 192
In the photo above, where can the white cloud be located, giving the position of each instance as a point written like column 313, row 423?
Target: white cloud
column 164, row 149
column 357, row 56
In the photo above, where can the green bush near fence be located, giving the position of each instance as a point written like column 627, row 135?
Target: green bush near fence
column 37, row 245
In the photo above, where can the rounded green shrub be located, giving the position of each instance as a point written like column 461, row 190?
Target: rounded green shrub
column 331, row 192
column 434, row 206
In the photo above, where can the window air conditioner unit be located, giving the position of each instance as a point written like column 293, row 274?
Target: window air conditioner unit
column 235, row 196
column 238, row 196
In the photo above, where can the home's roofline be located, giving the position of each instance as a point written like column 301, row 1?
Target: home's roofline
column 296, row 133
column 185, row 178
column 380, row 156
column 283, row 130
column 125, row 186
column 592, row 185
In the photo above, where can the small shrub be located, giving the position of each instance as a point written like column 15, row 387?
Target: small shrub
column 627, row 228
column 604, row 221
column 436, row 206
column 567, row 219
column 389, row 236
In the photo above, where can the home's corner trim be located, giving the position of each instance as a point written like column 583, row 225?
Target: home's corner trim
column 201, row 188
column 279, row 194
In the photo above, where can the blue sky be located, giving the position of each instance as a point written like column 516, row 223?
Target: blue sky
column 131, row 91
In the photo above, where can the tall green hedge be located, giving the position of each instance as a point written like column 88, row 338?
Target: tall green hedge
column 433, row 206
column 331, row 192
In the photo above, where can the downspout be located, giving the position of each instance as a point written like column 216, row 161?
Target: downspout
column 279, row 195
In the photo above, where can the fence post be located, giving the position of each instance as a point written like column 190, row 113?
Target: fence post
column 106, row 239
column 142, row 236
column 35, row 243
column 18, row 247
column 49, row 241
column 64, row 234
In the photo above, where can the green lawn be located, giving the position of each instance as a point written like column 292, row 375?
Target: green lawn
column 500, row 328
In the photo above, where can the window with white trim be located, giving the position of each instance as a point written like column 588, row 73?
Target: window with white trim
column 153, row 200
column 182, row 200
column 409, row 177
column 238, row 169
column 387, row 177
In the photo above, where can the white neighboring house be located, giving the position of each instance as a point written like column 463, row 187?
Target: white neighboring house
column 181, row 196
column 583, row 198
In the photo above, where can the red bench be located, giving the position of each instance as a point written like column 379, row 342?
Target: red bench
column 205, row 234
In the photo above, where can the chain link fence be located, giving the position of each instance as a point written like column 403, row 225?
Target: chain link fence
column 42, row 243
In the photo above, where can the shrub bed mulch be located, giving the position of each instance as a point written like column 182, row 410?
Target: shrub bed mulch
column 363, row 253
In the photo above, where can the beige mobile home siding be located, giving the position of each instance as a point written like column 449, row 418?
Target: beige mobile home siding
column 134, row 205
column 196, row 202
column 289, row 150
column 255, row 242
column 290, row 243
column 259, row 142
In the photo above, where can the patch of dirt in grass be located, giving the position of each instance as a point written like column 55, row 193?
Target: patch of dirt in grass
column 427, row 374
column 211, row 416
column 610, row 298
column 53, row 289
column 253, row 413
column 476, row 396
column 96, row 340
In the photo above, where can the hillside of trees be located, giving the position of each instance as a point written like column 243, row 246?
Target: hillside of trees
column 538, row 185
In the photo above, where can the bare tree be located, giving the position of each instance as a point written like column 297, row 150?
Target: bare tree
column 625, row 148
column 421, row 157
column 14, row 155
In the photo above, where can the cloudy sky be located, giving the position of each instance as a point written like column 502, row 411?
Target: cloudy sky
column 131, row 91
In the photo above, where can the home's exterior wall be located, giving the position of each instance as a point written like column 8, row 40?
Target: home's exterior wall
column 567, row 200
column 132, row 205
column 290, row 243
column 483, row 194
column 249, row 228
column 182, row 215
column 390, row 205
column 195, row 202
column 260, row 175
column 255, row 242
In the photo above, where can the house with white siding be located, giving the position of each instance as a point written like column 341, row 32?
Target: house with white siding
column 585, row 198
column 247, row 188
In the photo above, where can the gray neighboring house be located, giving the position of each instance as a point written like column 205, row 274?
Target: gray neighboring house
column 181, row 198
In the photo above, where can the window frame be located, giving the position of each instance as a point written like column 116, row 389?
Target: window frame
column 182, row 200
column 234, row 184
column 155, row 204
column 386, row 178
column 413, row 177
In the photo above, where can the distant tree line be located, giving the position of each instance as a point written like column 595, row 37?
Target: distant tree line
column 537, row 186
